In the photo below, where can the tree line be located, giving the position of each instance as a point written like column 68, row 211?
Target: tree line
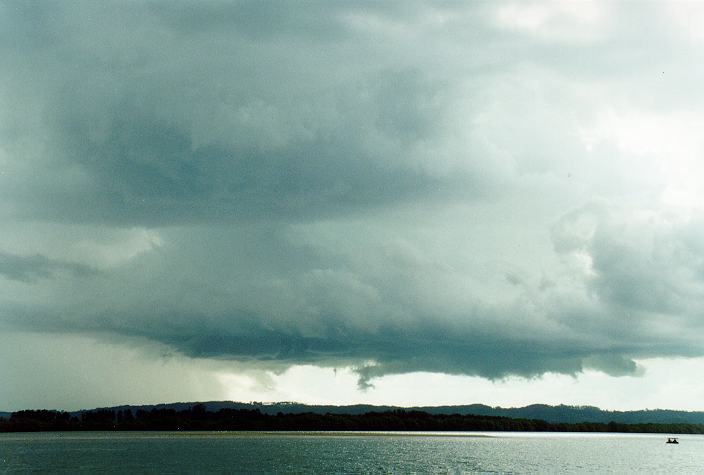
column 198, row 418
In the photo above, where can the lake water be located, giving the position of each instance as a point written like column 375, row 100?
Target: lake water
column 237, row 452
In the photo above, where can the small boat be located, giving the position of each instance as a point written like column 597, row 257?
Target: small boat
column 672, row 440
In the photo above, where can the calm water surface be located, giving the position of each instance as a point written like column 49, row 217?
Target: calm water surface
column 237, row 452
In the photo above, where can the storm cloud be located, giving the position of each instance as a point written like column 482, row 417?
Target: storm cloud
column 494, row 189
column 31, row 268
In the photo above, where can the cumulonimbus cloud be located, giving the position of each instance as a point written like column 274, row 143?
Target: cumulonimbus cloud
column 395, row 188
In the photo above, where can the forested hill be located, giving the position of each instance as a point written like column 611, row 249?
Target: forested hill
column 552, row 414
column 197, row 417
column 576, row 414
column 555, row 414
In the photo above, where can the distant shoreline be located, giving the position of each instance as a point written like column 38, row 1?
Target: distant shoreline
column 543, row 412
column 198, row 418
column 79, row 434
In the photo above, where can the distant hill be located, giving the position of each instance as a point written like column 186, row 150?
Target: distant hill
column 576, row 414
column 198, row 418
column 553, row 414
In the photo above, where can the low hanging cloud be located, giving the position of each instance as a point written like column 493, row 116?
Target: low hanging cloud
column 29, row 269
column 397, row 187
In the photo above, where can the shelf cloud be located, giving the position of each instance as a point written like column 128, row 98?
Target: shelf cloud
column 492, row 189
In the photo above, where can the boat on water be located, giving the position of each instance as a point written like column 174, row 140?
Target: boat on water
column 672, row 440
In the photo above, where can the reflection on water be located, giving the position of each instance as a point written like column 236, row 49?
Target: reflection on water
column 227, row 452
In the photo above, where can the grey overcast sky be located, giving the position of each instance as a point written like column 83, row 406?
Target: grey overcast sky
column 391, row 202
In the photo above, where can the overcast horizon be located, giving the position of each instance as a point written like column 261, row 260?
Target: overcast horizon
column 403, row 203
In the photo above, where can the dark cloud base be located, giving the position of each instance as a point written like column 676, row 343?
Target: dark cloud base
column 298, row 163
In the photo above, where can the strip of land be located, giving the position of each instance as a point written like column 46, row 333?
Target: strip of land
column 198, row 418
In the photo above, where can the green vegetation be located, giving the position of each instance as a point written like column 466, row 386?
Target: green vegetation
column 197, row 417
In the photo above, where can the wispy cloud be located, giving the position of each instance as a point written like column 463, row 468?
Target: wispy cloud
column 36, row 267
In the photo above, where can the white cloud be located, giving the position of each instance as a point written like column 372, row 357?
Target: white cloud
column 554, row 20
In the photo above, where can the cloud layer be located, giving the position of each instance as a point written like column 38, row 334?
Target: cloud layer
column 492, row 190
